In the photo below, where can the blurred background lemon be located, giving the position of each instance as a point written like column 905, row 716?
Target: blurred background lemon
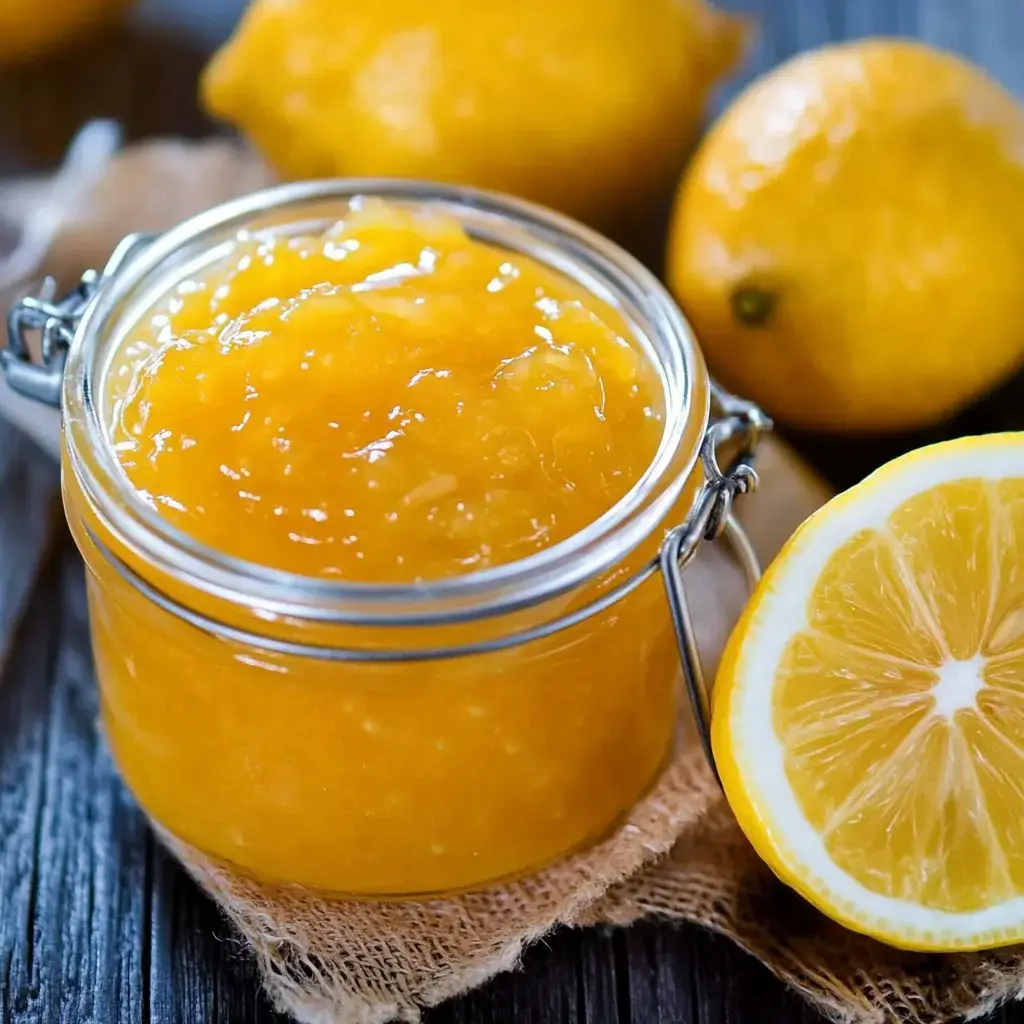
column 588, row 106
column 28, row 30
column 848, row 242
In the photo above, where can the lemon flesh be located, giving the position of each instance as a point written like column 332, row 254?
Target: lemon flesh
column 885, row 647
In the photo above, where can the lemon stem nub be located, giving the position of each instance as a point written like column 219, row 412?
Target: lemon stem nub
column 753, row 306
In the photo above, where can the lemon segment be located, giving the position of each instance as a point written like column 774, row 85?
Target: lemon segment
column 868, row 717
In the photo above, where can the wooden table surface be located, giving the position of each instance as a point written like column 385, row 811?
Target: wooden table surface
column 97, row 924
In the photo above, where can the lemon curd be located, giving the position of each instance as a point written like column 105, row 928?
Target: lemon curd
column 386, row 400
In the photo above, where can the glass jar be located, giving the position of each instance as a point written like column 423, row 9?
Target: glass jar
column 372, row 740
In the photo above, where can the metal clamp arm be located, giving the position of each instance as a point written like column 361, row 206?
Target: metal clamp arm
column 56, row 322
column 710, row 518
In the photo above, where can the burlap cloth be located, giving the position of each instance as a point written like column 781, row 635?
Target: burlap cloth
column 679, row 856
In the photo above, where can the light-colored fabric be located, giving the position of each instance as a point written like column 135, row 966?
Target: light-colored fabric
column 353, row 962
column 680, row 854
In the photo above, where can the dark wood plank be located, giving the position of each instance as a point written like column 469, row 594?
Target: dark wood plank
column 24, row 729
column 28, row 509
column 199, row 970
column 569, row 977
column 72, row 926
column 29, row 512
column 97, row 923
column 724, row 985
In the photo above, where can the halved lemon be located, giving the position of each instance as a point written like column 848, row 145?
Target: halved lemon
column 868, row 716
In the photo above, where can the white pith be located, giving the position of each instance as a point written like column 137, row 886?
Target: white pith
column 958, row 686
column 781, row 612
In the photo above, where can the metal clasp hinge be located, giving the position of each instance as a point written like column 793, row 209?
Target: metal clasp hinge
column 711, row 517
column 56, row 322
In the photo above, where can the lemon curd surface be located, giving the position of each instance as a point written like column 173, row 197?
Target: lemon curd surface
column 385, row 401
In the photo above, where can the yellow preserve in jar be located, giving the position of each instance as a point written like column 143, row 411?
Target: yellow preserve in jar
column 387, row 401
column 368, row 482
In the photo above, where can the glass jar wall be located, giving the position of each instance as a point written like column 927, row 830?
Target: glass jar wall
column 383, row 740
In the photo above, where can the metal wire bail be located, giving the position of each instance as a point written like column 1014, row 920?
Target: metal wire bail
column 56, row 322
column 711, row 518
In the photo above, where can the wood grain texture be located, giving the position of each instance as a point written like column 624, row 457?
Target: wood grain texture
column 97, row 924
column 29, row 512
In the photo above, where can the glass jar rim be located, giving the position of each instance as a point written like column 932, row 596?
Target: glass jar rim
column 554, row 239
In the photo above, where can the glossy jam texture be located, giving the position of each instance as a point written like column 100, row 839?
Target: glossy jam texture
column 387, row 401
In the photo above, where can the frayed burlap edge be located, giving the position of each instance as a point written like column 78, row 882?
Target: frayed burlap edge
column 679, row 856
column 713, row 878
column 357, row 962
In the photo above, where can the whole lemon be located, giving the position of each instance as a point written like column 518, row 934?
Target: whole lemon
column 848, row 242
column 584, row 105
column 27, row 31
